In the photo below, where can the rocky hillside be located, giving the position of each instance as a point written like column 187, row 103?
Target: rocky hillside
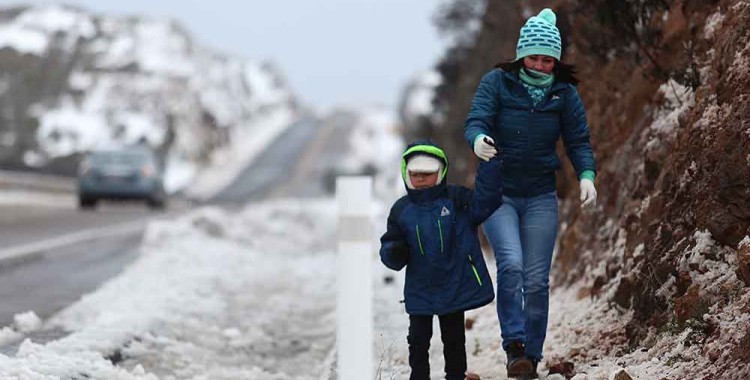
column 71, row 81
column 666, row 85
column 671, row 125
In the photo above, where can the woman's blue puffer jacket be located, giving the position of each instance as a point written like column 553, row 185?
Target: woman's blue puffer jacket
column 527, row 135
column 445, row 268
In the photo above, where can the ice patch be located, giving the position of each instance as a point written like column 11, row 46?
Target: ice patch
column 31, row 31
column 56, row 18
column 696, row 256
column 80, row 81
column 27, row 322
column 678, row 99
column 67, row 130
column 23, row 40
column 137, row 128
column 713, row 23
column 9, row 335
column 162, row 50
column 744, row 242
column 419, row 101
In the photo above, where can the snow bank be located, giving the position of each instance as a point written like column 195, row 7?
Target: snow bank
column 213, row 295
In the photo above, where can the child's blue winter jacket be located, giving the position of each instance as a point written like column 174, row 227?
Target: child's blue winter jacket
column 433, row 232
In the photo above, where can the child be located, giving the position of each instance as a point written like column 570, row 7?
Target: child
column 433, row 232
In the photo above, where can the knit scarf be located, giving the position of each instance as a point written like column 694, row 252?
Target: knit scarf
column 536, row 82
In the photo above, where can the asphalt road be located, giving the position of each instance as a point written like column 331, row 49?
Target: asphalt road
column 60, row 273
column 274, row 167
column 66, row 252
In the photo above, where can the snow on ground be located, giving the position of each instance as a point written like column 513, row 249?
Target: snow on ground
column 218, row 295
column 32, row 31
column 251, row 295
column 213, row 295
column 713, row 23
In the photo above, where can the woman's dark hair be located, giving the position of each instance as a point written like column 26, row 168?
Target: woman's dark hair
column 563, row 72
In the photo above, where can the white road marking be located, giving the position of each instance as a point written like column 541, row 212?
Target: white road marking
column 21, row 251
column 37, row 199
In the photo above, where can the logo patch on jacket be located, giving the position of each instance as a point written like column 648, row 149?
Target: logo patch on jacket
column 444, row 211
column 555, row 97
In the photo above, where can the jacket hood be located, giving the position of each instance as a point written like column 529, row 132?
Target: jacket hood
column 425, row 147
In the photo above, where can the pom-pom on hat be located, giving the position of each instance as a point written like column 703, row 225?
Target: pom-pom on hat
column 540, row 36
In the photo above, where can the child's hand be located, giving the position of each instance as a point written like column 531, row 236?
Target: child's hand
column 401, row 250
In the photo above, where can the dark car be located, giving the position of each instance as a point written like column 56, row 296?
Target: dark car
column 125, row 173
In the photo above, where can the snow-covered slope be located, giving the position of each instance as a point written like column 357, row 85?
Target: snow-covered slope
column 77, row 81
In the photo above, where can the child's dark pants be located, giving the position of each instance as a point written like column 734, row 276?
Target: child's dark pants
column 454, row 345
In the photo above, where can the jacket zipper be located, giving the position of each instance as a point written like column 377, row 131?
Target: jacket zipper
column 440, row 228
column 419, row 240
column 473, row 268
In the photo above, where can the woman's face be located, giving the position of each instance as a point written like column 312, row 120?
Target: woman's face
column 538, row 62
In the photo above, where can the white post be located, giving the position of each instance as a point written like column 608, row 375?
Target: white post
column 354, row 304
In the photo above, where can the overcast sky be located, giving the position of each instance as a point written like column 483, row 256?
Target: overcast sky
column 350, row 52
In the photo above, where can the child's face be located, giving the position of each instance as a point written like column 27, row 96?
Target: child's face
column 423, row 180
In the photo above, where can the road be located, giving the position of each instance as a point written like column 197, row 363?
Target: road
column 274, row 167
column 64, row 254
column 73, row 261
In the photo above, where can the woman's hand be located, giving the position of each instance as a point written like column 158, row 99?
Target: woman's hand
column 588, row 193
column 484, row 147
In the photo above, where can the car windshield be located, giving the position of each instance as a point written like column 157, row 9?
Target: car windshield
column 119, row 158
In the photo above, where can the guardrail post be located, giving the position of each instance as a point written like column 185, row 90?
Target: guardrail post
column 354, row 331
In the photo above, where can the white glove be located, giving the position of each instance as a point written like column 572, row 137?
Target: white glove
column 483, row 149
column 588, row 193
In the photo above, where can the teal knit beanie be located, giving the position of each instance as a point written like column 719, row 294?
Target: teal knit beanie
column 540, row 36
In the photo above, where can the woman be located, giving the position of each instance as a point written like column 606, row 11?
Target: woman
column 523, row 107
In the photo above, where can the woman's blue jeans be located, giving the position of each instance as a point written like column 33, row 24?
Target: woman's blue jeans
column 522, row 233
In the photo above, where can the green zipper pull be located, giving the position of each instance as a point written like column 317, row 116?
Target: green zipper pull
column 419, row 240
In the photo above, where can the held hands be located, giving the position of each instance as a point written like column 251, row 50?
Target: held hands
column 588, row 193
column 484, row 147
